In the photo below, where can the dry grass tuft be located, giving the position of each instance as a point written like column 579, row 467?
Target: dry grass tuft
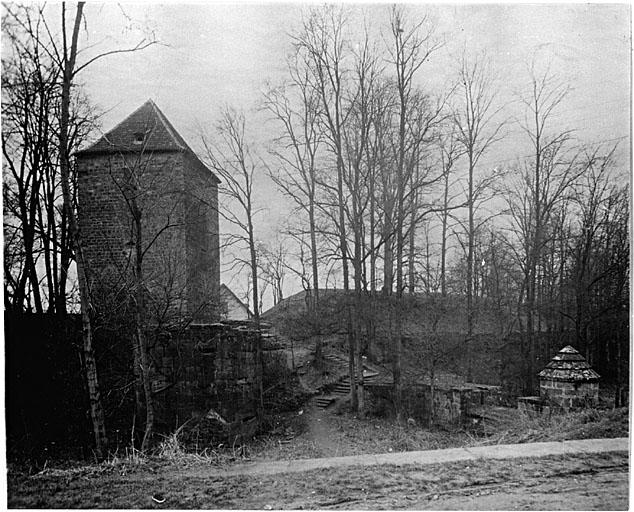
column 172, row 451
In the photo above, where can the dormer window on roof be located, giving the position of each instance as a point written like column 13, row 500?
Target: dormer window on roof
column 139, row 137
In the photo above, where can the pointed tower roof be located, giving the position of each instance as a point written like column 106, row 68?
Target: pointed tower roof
column 146, row 129
column 569, row 365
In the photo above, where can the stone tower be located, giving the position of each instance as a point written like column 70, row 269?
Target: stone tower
column 143, row 169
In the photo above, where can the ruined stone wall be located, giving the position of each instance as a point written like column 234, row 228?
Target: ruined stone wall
column 451, row 406
column 194, row 370
column 206, row 367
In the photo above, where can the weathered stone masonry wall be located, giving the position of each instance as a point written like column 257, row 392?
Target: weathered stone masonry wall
column 569, row 395
column 203, row 243
column 106, row 221
column 451, row 406
column 178, row 199
column 207, row 366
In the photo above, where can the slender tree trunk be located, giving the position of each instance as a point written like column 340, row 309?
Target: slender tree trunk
column 29, row 263
column 470, row 272
column 530, row 336
column 96, row 409
column 402, row 80
column 398, row 341
column 533, row 259
column 412, row 250
column 55, row 267
column 343, row 245
column 48, row 262
column 143, row 360
column 388, row 256
column 370, row 323
column 351, row 356
column 618, row 390
column 259, row 363
column 432, row 390
column 428, row 287
column 412, row 229
column 360, row 382
column 313, row 250
column 357, row 321
column 372, row 235
column 64, row 263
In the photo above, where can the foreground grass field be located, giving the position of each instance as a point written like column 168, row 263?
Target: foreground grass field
column 185, row 480
column 574, row 482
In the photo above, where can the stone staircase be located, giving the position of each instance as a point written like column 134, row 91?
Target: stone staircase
column 336, row 361
column 341, row 389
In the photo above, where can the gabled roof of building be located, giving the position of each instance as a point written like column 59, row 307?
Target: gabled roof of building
column 569, row 365
column 228, row 292
column 146, row 129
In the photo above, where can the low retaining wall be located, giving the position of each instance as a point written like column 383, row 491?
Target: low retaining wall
column 535, row 406
column 450, row 406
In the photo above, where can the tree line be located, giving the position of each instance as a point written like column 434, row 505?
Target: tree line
column 392, row 192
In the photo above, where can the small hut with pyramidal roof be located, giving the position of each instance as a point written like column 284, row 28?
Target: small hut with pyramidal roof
column 568, row 381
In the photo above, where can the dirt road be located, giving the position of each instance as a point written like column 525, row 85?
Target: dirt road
column 426, row 457
column 595, row 491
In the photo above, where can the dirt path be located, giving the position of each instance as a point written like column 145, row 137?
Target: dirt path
column 321, row 432
column 427, row 457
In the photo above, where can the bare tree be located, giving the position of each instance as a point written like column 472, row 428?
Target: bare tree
column 64, row 56
column 423, row 172
column 69, row 70
column 379, row 171
column 34, row 217
column 449, row 154
column 545, row 180
column 298, row 146
column 357, row 179
column 477, row 129
column 322, row 42
column 273, row 266
column 409, row 49
column 593, row 195
column 230, row 155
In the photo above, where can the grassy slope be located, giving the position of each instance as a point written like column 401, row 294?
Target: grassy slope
column 381, row 435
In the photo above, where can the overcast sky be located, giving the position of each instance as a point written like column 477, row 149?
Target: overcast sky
column 216, row 54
